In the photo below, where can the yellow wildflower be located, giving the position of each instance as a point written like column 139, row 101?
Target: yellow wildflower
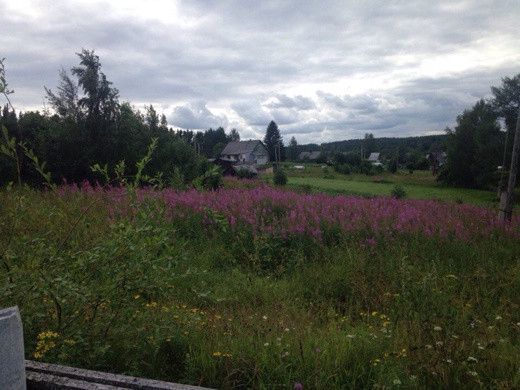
column 45, row 343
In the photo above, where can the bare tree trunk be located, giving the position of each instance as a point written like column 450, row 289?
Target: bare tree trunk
column 506, row 198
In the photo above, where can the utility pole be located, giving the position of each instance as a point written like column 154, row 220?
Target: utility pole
column 502, row 182
column 506, row 198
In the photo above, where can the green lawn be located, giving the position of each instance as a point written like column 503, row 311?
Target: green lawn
column 418, row 185
column 415, row 191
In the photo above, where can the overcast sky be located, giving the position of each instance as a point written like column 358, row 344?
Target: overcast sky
column 323, row 70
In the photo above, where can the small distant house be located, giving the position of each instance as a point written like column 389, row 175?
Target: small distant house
column 245, row 152
column 374, row 158
column 311, row 156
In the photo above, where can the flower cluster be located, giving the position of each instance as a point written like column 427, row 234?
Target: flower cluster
column 46, row 342
column 273, row 211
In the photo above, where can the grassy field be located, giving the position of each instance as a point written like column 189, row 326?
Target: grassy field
column 418, row 185
column 264, row 288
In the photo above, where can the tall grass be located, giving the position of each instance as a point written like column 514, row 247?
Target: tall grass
column 167, row 285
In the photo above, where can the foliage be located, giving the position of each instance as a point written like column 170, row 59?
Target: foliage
column 211, row 142
column 279, row 177
column 274, row 143
column 244, row 173
column 344, row 168
column 209, row 180
column 234, row 135
column 91, row 127
column 506, row 101
column 398, row 192
column 474, row 149
column 292, row 150
column 393, row 165
column 194, row 287
column 386, row 146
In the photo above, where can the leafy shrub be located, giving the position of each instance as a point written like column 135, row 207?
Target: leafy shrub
column 377, row 169
column 210, row 180
column 344, row 169
column 244, row 173
column 398, row 192
column 366, row 168
column 393, row 165
column 279, row 178
column 411, row 167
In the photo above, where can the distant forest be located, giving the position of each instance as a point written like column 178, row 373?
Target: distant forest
column 386, row 146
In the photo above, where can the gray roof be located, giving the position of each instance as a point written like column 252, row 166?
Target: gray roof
column 373, row 157
column 241, row 147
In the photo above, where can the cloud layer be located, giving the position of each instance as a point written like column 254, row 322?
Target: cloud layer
column 322, row 70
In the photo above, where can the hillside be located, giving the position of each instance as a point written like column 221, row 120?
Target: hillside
column 384, row 145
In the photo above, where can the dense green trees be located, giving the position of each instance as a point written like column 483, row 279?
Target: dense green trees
column 477, row 146
column 292, row 150
column 474, row 148
column 233, row 135
column 90, row 126
column 211, row 142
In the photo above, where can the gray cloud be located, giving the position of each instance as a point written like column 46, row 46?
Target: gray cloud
column 196, row 116
column 297, row 102
column 323, row 71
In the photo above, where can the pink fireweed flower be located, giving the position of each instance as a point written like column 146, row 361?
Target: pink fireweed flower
column 281, row 213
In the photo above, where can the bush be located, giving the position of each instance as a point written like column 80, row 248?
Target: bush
column 366, row 168
column 393, row 165
column 377, row 169
column 398, row 192
column 279, row 178
column 345, row 169
column 243, row 173
column 210, row 180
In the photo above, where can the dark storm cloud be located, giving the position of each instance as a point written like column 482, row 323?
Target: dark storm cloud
column 322, row 70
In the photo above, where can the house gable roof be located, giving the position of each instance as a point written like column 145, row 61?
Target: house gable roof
column 241, row 147
column 373, row 157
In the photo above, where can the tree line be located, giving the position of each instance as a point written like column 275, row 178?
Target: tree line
column 88, row 125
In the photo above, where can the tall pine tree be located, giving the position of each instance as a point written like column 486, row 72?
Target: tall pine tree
column 274, row 142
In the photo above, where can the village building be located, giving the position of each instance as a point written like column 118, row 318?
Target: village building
column 374, row 159
column 245, row 152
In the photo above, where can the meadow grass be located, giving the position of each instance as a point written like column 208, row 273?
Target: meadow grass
column 418, row 185
column 414, row 191
column 135, row 291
